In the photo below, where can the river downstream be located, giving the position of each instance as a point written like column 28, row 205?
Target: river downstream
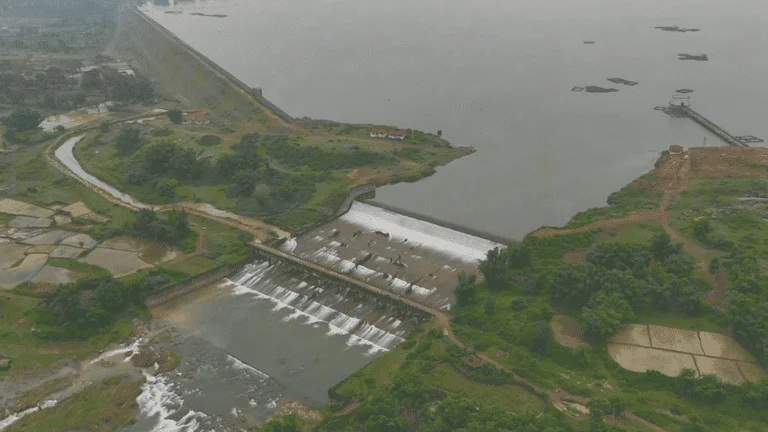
column 498, row 76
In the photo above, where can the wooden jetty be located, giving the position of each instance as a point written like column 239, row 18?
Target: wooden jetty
column 711, row 126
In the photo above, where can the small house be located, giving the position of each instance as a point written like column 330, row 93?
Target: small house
column 676, row 149
column 378, row 133
column 397, row 134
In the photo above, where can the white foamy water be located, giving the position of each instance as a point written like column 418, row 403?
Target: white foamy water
column 133, row 348
column 255, row 281
column 13, row 418
column 450, row 242
column 237, row 364
column 290, row 245
column 159, row 400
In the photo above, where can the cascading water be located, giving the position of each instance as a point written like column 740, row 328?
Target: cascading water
column 316, row 305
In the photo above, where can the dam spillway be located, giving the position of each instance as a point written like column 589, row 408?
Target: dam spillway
column 403, row 255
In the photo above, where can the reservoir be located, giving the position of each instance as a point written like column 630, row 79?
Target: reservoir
column 498, row 76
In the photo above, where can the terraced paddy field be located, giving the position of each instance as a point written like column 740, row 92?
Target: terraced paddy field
column 643, row 347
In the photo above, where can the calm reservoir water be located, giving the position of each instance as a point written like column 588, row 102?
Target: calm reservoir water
column 497, row 75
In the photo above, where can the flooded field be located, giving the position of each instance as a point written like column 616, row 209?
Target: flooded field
column 405, row 255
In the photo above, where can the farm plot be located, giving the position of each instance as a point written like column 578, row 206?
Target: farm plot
column 642, row 347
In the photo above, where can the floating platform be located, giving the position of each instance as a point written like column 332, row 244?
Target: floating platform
column 209, row 15
column 677, row 29
column 696, row 57
column 684, row 91
column 623, row 81
column 671, row 111
column 589, row 42
column 750, row 139
column 596, row 89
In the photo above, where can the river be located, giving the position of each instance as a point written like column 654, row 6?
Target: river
column 497, row 75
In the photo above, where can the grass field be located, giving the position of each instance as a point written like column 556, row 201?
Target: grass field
column 106, row 406
column 81, row 269
column 635, row 233
column 27, row 352
column 510, row 398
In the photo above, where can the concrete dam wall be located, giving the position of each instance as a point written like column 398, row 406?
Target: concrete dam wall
column 186, row 73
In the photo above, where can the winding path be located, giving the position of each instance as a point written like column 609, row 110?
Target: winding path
column 63, row 158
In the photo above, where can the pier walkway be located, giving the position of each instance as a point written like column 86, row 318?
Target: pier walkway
column 712, row 127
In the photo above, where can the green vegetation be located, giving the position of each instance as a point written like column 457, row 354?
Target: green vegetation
column 171, row 229
column 509, row 398
column 635, row 274
column 17, row 341
column 633, row 197
column 22, row 120
column 106, row 406
column 81, row 269
column 90, row 307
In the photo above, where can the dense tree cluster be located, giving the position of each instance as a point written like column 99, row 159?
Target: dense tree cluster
column 23, row 120
column 91, row 306
column 617, row 281
column 52, row 89
column 151, row 226
column 747, row 303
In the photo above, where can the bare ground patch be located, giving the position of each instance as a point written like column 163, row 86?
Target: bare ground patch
column 80, row 240
column 21, row 208
column 11, row 254
column 642, row 359
column 717, row 345
column 23, row 272
column 117, row 262
column 751, row 371
column 77, row 209
column 66, row 252
column 726, row 370
column 567, row 331
column 575, row 257
column 54, row 276
column 675, row 339
column 633, row 334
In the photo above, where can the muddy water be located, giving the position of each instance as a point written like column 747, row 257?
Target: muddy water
column 269, row 332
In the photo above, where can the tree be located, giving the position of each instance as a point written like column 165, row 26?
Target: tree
column 542, row 338
column 494, row 269
column 166, row 187
column 661, row 246
column 128, row 141
column 244, row 184
column 174, row 115
column 702, row 228
column 604, row 316
column 466, row 290
column 23, row 120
